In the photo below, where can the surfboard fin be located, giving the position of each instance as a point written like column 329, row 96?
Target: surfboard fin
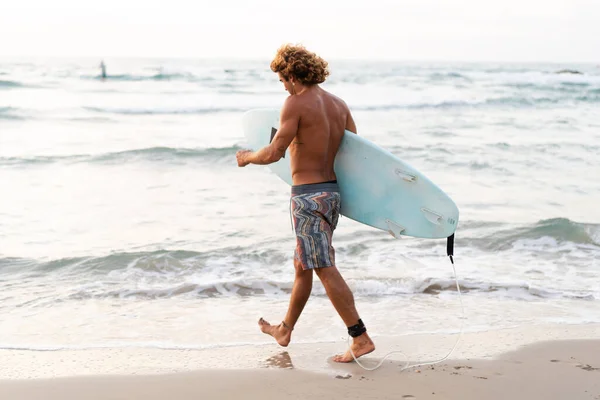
column 394, row 229
column 405, row 175
column 431, row 216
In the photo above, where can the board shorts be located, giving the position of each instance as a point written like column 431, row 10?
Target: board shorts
column 315, row 212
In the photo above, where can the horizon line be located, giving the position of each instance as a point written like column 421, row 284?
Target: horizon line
column 329, row 59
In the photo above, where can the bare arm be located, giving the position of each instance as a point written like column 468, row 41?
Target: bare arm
column 288, row 128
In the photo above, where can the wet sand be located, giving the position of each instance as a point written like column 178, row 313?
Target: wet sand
column 550, row 369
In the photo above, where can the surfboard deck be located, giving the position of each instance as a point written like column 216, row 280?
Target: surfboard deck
column 377, row 188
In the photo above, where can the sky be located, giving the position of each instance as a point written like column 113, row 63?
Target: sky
column 437, row 30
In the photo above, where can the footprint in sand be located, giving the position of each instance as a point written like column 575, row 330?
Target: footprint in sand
column 347, row 376
column 408, row 396
column 588, row 367
column 585, row 367
column 281, row 360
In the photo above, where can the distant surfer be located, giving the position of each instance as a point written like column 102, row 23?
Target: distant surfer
column 103, row 69
column 312, row 124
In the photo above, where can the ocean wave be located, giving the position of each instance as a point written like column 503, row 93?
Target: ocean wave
column 165, row 111
column 504, row 102
column 368, row 287
column 238, row 288
column 153, row 77
column 549, row 147
column 10, row 84
column 593, row 98
column 557, row 87
column 559, row 229
column 166, row 280
column 189, row 77
column 543, row 237
column 228, row 272
column 160, row 261
column 8, row 113
column 514, row 290
column 549, row 238
column 160, row 154
column 442, row 76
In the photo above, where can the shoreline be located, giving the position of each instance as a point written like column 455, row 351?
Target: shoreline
column 310, row 357
column 558, row 369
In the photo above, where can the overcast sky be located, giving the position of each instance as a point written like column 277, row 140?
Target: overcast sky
column 463, row 30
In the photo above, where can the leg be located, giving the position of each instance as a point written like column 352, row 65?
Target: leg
column 339, row 293
column 300, row 294
column 343, row 300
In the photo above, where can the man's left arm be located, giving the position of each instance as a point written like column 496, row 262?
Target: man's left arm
column 273, row 152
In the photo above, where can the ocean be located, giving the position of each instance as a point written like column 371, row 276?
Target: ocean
column 126, row 223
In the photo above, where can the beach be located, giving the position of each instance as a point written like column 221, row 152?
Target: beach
column 136, row 257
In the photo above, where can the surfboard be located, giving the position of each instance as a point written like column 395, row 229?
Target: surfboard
column 377, row 188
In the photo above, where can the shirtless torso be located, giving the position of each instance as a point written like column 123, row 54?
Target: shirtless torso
column 322, row 119
column 311, row 125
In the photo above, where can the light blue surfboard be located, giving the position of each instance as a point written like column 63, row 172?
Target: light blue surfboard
column 376, row 187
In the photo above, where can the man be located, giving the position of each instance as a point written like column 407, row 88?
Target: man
column 103, row 69
column 312, row 124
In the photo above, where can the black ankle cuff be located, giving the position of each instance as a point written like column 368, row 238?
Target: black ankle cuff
column 357, row 330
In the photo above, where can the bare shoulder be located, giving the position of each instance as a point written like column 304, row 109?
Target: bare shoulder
column 291, row 101
column 291, row 106
column 338, row 100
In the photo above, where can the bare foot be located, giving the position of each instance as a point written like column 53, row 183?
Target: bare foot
column 281, row 333
column 360, row 346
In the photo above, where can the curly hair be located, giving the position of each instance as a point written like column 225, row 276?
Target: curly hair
column 296, row 61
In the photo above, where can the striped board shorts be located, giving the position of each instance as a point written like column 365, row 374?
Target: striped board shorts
column 315, row 213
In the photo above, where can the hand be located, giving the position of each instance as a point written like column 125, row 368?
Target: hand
column 242, row 157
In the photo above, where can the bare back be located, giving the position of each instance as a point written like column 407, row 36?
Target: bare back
column 323, row 118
